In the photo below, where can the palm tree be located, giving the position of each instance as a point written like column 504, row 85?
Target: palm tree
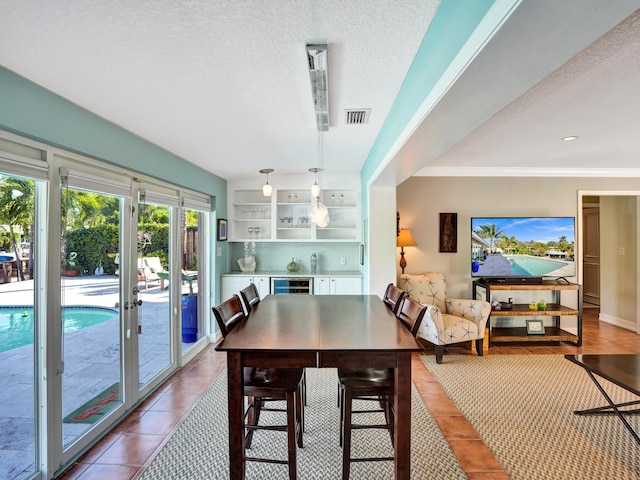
column 490, row 232
column 16, row 210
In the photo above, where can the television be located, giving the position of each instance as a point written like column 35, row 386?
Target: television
column 518, row 249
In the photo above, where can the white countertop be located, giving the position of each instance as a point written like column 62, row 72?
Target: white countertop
column 281, row 273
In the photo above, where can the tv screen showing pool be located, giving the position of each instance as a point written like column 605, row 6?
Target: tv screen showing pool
column 518, row 247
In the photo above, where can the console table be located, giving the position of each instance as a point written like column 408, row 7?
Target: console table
column 553, row 333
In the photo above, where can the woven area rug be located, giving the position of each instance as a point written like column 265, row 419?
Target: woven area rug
column 522, row 407
column 199, row 448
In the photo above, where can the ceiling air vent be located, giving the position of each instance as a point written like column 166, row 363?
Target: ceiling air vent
column 357, row 117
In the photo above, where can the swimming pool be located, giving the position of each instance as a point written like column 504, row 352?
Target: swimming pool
column 16, row 323
column 533, row 266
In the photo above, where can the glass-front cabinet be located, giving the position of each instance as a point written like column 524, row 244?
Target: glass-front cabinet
column 284, row 216
column 250, row 216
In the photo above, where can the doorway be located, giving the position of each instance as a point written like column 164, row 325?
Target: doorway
column 591, row 257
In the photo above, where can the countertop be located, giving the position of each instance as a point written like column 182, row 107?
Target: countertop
column 281, row 273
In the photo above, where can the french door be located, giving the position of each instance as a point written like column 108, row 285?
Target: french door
column 95, row 265
column 117, row 336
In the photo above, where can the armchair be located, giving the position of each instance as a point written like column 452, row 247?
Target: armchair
column 447, row 320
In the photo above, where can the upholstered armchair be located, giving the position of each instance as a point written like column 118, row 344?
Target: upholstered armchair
column 447, row 320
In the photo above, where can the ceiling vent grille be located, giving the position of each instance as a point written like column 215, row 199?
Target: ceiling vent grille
column 357, row 117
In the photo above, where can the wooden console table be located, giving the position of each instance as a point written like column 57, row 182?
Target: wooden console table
column 553, row 333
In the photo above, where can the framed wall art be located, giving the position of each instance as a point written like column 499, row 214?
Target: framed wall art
column 448, row 232
column 222, row 229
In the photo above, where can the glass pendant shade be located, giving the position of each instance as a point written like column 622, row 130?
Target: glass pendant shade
column 315, row 190
column 319, row 214
column 266, row 188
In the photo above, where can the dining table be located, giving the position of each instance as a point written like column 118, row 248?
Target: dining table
column 320, row 331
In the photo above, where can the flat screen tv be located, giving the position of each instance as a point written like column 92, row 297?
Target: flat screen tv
column 521, row 248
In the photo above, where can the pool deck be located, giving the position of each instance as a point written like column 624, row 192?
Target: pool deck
column 89, row 361
column 497, row 265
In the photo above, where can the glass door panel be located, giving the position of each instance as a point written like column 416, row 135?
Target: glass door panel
column 192, row 326
column 18, row 419
column 92, row 348
column 154, row 282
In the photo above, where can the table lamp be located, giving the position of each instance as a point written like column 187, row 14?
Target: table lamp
column 404, row 239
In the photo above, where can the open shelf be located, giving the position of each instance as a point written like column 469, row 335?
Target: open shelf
column 555, row 310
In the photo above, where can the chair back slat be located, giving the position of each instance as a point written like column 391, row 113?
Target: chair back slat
column 250, row 296
column 229, row 314
column 411, row 313
column 393, row 297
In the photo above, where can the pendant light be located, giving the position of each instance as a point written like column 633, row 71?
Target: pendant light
column 315, row 188
column 266, row 188
column 318, row 212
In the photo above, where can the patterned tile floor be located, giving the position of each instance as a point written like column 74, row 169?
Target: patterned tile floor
column 125, row 452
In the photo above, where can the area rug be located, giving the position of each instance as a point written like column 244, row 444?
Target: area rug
column 96, row 408
column 199, row 448
column 522, row 407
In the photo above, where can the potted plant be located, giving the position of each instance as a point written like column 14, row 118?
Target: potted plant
column 70, row 269
column 475, row 263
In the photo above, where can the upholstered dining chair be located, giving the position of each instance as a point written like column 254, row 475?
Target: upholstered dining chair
column 447, row 320
column 266, row 384
column 393, row 297
column 372, row 384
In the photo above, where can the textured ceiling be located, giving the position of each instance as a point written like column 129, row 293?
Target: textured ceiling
column 225, row 84
column 593, row 96
column 222, row 84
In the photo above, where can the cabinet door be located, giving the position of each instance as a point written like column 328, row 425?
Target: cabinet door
column 232, row 284
column 346, row 286
column 263, row 286
column 321, row 286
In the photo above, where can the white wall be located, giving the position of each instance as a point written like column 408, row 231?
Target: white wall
column 618, row 257
column 421, row 199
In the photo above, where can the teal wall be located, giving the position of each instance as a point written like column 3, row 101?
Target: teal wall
column 454, row 22
column 33, row 112
column 450, row 28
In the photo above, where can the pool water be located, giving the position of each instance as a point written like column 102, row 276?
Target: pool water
column 535, row 267
column 16, row 323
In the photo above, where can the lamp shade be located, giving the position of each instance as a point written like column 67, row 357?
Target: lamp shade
column 266, row 190
column 405, row 239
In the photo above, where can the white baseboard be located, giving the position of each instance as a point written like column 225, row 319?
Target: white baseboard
column 618, row 322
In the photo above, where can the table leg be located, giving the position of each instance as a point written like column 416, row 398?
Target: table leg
column 236, row 415
column 612, row 408
column 402, row 427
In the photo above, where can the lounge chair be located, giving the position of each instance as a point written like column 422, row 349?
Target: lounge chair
column 148, row 269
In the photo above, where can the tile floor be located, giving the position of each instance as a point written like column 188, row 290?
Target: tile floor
column 124, row 453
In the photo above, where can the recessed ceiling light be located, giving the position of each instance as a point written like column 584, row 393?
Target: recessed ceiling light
column 569, row 138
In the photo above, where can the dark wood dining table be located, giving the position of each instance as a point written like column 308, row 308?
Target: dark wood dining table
column 320, row 331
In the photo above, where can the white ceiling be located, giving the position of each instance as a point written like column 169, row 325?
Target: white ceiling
column 225, row 85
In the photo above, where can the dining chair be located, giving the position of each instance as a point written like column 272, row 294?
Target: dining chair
column 250, row 297
column 375, row 385
column 263, row 385
column 393, row 297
